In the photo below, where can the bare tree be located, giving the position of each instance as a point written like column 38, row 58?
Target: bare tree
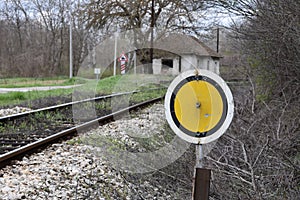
column 186, row 16
column 36, row 37
column 169, row 14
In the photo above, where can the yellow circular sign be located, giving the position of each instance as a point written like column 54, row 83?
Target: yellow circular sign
column 198, row 106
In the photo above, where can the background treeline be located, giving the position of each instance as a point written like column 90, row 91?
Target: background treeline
column 34, row 37
column 35, row 33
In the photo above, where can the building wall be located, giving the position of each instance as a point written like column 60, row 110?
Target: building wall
column 208, row 63
column 187, row 62
column 215, row 66
column 202, row 62
column 156, row 66
column 175, row 70
column 159, row 69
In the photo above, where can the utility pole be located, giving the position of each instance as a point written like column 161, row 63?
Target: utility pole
column 152, row 32
column 71, row 45
column 218, row 39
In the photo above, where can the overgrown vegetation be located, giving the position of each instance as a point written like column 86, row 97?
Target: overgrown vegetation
column 259, row 156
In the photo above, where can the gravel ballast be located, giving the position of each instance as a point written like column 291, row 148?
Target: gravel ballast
column 76, row 170
column 13, row 111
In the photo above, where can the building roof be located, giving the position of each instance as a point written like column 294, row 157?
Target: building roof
column 182, row 44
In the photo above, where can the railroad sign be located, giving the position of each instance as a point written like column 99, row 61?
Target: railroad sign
column 123, row 59
column 199, row 106
column 97, row 70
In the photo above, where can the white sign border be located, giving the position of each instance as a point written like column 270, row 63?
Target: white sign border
column 230, row 106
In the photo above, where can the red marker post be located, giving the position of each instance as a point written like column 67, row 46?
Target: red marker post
column 123, row 59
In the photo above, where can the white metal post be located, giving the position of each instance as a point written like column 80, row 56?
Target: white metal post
column 71, row 46
column 199, row 156
column 115, row 57
column 134, row 55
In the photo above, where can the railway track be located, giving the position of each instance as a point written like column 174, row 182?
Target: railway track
column 19, row 138
column 50, row 108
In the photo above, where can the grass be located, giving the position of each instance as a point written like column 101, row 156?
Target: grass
column 139, row 97
column 115, row 84
column 15, row 98
column 18, row 96
column 107, row 85
column 36, row 82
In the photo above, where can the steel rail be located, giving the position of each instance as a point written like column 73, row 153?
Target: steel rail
column 64, row 105
column 3, row 118
column 4, row 158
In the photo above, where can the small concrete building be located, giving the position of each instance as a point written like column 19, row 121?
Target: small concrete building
column 184, row 53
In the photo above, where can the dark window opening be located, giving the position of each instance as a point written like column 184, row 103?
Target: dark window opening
column 167, row 63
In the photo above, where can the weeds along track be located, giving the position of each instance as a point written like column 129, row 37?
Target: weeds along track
column 27, row 131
